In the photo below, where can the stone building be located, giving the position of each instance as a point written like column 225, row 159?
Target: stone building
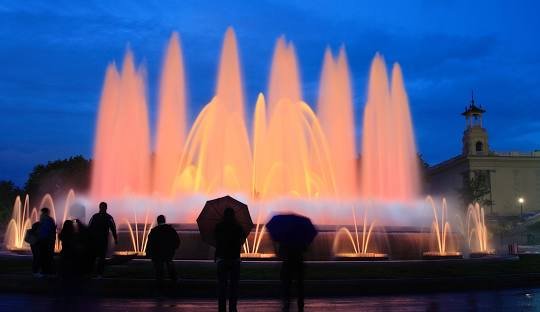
column 500, row 179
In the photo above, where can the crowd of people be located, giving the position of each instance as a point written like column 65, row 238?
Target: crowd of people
column 84, row 250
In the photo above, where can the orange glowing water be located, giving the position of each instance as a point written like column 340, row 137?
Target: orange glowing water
column 389, row 169
column 291, row 151
column 358, row 248
column 477, row 232
column 217, row 154
column 284, row 75
column 171, row 125
column 335, row 111
column 122, row 145
column 23, row 218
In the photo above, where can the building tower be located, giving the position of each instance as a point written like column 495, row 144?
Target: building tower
column 475, row 138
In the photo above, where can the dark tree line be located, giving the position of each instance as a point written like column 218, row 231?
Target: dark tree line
column 55, row 177
column 8, row 193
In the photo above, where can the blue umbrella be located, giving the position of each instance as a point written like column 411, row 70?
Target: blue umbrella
column 291, row 229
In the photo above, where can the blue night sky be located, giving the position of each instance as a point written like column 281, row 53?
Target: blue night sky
column 53, row 60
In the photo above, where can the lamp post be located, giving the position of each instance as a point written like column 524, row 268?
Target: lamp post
column 521, row 200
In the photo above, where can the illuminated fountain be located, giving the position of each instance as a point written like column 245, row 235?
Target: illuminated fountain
column 336, row 115
column 292, row 158
column 361, row 250
column 477, row 233
column 70, row 199
column 138, row 232
column 252, row 247
column 389, row 169
column 122, row 151
column 290, row 152
column 288, row 156
column 441, row 233
column 171, row 125
column 23, row 218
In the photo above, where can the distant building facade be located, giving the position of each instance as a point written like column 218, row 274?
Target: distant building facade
column 500, row 179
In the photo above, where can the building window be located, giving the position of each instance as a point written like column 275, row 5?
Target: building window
column 479, row 146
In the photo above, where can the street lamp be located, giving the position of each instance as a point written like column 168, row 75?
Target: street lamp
column 521, row 200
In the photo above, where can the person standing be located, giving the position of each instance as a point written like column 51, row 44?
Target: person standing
column 31, row 237
column 69, row 259
column 46, row 240
column 161, row 247
column 292, row 268
column 84, row 247
column 229, row 239
column 99, row 227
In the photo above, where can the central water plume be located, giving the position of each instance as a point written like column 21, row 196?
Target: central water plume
column 217, row 155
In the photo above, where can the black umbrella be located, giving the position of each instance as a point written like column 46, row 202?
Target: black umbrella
column 212, row 214
column 291, row 229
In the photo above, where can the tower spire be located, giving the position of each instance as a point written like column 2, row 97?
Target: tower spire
column 475, row 139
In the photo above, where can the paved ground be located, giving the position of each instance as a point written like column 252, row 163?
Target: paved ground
column 507, row 300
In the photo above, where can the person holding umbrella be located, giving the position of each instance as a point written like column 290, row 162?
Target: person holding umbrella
column 225, row 223
column 229, row 239
column 292, row 268
column 293, row 234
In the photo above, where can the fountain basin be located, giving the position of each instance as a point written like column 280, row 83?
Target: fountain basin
column 396, row 243
column 252, row 256
column 435, row 255
column 481, row 254
column 124, row 256
column 367, row 256
column 129, row 253
column 21, row 251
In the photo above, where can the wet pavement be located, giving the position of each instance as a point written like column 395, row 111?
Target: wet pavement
column 503, row 300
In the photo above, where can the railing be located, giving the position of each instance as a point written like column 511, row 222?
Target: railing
column 517, row 154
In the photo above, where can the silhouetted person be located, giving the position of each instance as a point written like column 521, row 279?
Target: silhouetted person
column 161, row 247
column 292, row 268
column 84, row 247
column 46, row 240
column 72, row 258
column 31, row 237
column 99, row 227
column 72, row 265
column 68, row 254
column 73, row 254
column 229, row 239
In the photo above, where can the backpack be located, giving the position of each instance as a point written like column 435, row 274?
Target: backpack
column 31, row 235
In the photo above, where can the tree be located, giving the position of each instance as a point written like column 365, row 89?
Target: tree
column 476, row 188
column 8, row 192
column 57, row 177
